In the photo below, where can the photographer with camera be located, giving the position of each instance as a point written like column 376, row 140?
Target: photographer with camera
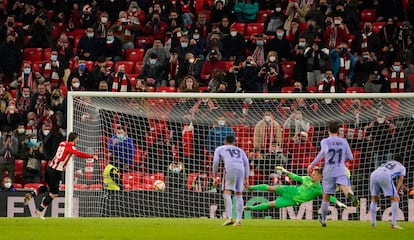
column 270, row 75
column 8, row 150
column 249, row 76
column 317, row 56
column 41, row 32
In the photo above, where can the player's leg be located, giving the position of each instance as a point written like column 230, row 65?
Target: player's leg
column 229, row 183
column 54, row 178
column 394, row 211
column 375, row 190
column 329, row 188
column 30, row 195
column 239, row 197
column 345, row 185
column 261, row 206
column 260, row 187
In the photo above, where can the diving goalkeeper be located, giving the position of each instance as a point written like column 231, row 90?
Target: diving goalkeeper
column 309, row 189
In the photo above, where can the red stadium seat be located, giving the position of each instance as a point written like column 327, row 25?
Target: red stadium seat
column 368, row 15
column 143, row 42
column 190, row 179
column 262, row 16
column 76, row 41
column 13, row 92
column 78, row 186
column 411, row 76
column 129, row 66
column 135, row 54
column 355, row 90
column 288, row 89
column 287, row 68
column 133, row 79
column 33, row 185
column 33, row 54
column 165, row 89
column 241, row 27
column 76, row 33
column 95, row 187
column 17, row 185
column 138, row 67
column 46, row 54
column 354, row 164
column 151, row 178
column 241, row 130
column 133, row 179
column 377, row 26
column 254, row 28
column 405, row 4
column 18, row 169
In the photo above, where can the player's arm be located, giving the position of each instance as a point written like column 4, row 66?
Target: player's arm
column 79, row 153
column 319, row 157
column 289, row 174
column 216, row 161
column 400, row 183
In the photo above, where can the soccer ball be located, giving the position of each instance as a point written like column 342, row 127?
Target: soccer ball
column 159, row 185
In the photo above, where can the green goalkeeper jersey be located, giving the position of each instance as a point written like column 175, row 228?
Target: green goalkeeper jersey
column 308, row 190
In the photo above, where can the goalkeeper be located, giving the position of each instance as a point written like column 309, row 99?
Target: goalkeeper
column 309, row 189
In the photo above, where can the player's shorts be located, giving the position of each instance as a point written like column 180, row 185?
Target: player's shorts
column 53, row 178
column 382, row 183
column 329, row 184
column 233, row 180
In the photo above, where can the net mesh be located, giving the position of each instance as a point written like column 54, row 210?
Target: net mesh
column 173, row 138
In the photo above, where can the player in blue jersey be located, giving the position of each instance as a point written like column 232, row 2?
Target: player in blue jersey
column 235, row 176
column 336, row 151
column 381, row 180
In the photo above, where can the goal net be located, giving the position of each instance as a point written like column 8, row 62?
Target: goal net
column 171, row 137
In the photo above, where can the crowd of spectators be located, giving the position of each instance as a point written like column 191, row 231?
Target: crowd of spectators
column 49, row 47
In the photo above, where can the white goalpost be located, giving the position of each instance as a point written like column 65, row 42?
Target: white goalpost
column 170, row 138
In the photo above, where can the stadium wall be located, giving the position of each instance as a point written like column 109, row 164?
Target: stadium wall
column 200, row 205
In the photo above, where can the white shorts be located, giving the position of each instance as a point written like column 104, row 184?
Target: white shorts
column 329, row 184
column 382, row 183
column 233, row 180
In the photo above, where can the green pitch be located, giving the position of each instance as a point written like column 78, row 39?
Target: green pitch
column 195, row 229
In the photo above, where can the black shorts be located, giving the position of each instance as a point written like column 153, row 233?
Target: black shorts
column 53, row 177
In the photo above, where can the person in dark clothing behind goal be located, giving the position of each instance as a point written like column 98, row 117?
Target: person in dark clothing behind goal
column 54, row 172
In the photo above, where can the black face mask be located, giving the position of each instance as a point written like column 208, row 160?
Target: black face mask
column 344, row 50
column 323, row 8
column 56, row 97
column 310, row 28
column 155, row 21
column 328, row 23
column 296, row 90
column 367, row 29
column 120, row 74
column 10, row 24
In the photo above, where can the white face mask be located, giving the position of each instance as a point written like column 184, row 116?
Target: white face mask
column 120, row 136
column 381, row 120
column 196, row 36
column 7, row 185
column 191, row 60
column 233, row 33
column 104, row 20
column 46, row 132
column 272, row 58
column 76, row 85
column 221, row 122
column 21, row 130
column 267, row 118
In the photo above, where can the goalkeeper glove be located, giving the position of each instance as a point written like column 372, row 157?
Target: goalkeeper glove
column 282, row 169
column 340, row 204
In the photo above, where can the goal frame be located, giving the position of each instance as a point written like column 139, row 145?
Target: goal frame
column 69, row 181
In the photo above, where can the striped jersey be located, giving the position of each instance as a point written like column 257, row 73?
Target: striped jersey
column 63, row 154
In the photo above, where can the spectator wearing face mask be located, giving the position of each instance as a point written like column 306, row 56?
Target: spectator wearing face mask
column 275, row 20
column 234, row 46
column 52, row 71
column 122, row 150
column 217, row 135
column 110, row 47
column 155, row 28
column 32, row 149
column 399, row 80
column 87, row 46
column 119, row 81
column 153, row 72
column 125, row 30
column 213, row 63
column 11, row 117
column 50, row 140
column 343, row 65
column 41, row 32
column 8, row 152
column 7, row 185
column 83, row 75
column 11, row 58
column 267, row 135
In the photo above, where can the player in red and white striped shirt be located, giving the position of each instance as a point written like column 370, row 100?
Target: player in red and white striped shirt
column 54, row 171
